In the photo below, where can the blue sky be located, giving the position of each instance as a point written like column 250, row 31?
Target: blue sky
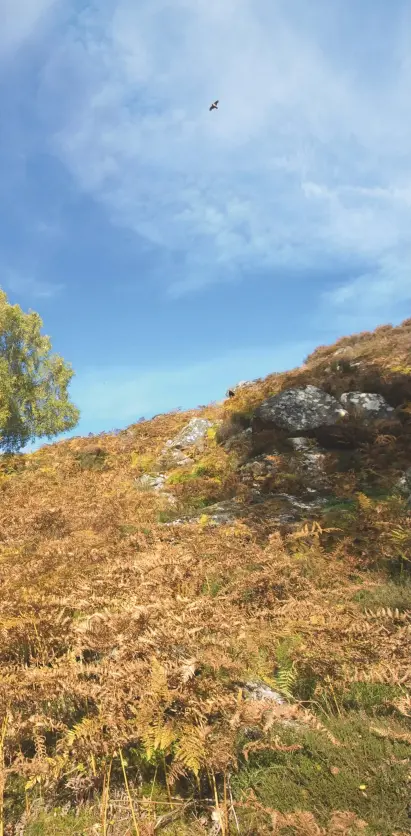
column 172, row 251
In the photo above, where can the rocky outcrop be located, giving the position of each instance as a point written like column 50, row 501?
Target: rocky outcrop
column 309, row 462
column 368, row 405
column 191, row 436
column 299, row 410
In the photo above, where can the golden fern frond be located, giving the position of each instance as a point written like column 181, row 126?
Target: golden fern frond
column 344, row 823
column 364, row 501
column 86, row 730
column 164, row 737
column 391, row 735
column 387, row 612
column 190, row 750
column 403, row 705
column 157, row 737
column 176, row 771
column 40, row 746
column 158, row 679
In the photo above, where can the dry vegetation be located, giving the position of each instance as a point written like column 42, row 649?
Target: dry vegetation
column 126, row 644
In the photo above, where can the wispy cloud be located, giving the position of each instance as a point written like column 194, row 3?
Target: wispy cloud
column 307, row 161
column 30, row 287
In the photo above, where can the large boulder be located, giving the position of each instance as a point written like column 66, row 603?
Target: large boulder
column 299, row 410
column 369, row 405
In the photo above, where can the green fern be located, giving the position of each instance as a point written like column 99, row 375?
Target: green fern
column 285, row 680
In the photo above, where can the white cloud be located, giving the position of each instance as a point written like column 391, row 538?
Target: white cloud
column 308, row 158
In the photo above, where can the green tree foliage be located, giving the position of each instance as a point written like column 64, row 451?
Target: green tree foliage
column 34, row 401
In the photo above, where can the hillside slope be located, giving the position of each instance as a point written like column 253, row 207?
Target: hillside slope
column 206, row 618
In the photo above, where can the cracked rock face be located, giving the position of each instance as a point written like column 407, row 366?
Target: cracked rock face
column 299, row 410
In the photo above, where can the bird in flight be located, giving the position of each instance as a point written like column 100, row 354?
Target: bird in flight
column 214, row 106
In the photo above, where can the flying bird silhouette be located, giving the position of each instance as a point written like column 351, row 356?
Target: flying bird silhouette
column 214, row 106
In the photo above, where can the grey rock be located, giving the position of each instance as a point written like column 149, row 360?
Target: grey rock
column 147, row 482
column 309, row 462
column 298, row 504
column 221, row 513
column 177, row 458
column 299, row 410
column 261, row 691
column 369, row 404
column 192, row 434
column 403, row 485
column 156, row 484
column 301, row 444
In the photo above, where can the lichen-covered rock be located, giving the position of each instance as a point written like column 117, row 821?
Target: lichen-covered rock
column 370, row 405
column 261, row 691
column 147, row 482
column 310, row 463
column 192, row 434
column 299, row 410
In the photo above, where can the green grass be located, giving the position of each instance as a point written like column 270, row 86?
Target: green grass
column 59, row 823
column 389, row 595
column 322, row 777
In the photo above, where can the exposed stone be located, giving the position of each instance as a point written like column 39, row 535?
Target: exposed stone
column 261, row 691
column 192, row 434
column 309, row 463
column 219, row 513
column 301, row 444
column 403, row 485
column 177, row 458
column 299, row 410
column 147, row 482
column 156, row 484
column 370, row 405
column 298, row 507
